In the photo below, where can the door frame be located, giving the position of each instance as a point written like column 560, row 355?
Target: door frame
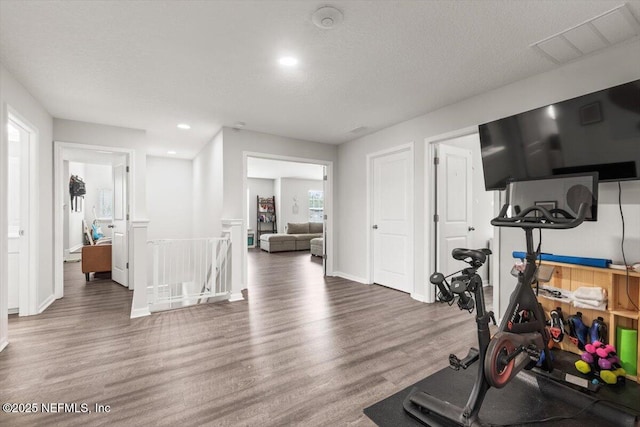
column 409, row 147
column 328, row 206
column 431, row 238
column 28, row 300
column 60, row 190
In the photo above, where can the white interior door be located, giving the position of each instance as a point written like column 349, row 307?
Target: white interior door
column 18, row 217
column 392, row 226
column 119, row 248
column 454, row 191
column 324, row 221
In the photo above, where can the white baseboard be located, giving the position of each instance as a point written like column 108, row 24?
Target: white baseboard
column 139, row 312
column 236, row 297
column 46, row 303
column 3, row 344
column 350, row 277
column 418, row 297
column 13, row 311
column 75, row 248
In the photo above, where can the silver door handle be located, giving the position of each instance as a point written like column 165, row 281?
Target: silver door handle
column 471, row 229
column 110, row 226
column 375, row 227
column 21, row 233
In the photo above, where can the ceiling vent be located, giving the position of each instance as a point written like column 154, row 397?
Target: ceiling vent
column 607, row 29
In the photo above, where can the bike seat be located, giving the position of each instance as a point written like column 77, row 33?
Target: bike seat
column 478, row 255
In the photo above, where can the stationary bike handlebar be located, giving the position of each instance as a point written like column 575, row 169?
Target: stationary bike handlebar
column 545, row 219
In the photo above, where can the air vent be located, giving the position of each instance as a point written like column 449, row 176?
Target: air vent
column 607, row 29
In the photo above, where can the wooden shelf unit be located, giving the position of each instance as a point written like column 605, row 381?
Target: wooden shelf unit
column 620, row 311
column 266, row 222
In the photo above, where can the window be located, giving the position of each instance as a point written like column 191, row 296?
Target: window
column 316, row 206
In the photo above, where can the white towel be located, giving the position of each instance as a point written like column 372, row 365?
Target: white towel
column 596, row 294
column 580, row 303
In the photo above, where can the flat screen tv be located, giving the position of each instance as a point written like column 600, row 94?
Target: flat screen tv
column 598, row 132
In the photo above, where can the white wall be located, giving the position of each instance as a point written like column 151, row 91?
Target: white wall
column 207, row 190
column 111, row 136
column 169, row 198
column 298, row 188
column 482, row 203
column 263, row 188
column 15, row 96
column 237, row 142
column 614, row 66
column 74, row 232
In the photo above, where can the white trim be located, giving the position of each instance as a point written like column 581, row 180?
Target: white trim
column 429, row 210
column 46, row 303
column 329, row 202
column 369, row 209
column 418, row 297
column 59, row 195
column 236, row 297
column 350, row 277
column 139, row 312
column 4, row 224
column 28, row 300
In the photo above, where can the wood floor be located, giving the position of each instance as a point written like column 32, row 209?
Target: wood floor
column 300, row 350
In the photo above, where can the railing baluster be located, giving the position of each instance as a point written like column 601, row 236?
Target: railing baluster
column 188, row 271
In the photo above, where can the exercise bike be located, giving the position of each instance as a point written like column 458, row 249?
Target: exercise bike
column 522, row 338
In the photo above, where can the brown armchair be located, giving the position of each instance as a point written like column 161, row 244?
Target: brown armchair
column 96, row 258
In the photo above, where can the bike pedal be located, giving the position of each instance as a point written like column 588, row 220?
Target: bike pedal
column 454, row 362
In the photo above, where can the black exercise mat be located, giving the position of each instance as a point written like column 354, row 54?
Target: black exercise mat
column 528, row 397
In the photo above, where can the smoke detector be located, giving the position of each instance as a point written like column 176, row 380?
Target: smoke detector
column 327, row 17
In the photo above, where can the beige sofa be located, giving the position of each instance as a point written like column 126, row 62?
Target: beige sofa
column 297, row 237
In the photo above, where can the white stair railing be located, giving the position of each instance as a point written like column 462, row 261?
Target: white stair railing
column 185, row 272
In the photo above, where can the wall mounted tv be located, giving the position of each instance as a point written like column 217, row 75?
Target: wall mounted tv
column 598, row 132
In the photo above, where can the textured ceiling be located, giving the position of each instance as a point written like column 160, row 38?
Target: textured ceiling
column 152, row 65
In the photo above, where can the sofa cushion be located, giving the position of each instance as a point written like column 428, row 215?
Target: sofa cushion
column 277, row 237
column 307, row 236
column 315, row 227
column 297, row 228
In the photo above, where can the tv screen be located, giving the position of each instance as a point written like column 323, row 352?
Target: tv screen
column 598, row 132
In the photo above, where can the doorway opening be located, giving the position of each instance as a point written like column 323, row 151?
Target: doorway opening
column 288, row 213
column 22, row 217
column 91, row 239
column 462, row 208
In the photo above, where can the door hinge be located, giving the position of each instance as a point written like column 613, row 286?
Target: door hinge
column 436, row 218
column 127, row 266
column 436, row 160
column 324, row 178
column 324, row 256
column 127, row 168
column 324, row 217
column 127, row 217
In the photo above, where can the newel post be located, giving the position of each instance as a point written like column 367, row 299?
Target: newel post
column 233, row 228
column 138, row 267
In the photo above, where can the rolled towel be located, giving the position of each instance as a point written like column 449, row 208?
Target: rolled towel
column 590, row 293
column 580, row 303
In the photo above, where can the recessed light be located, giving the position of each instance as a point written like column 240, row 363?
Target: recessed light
column 172, row 152
column 184, row 126
column 288, row 61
